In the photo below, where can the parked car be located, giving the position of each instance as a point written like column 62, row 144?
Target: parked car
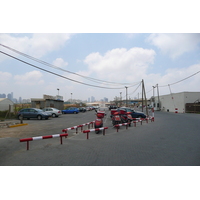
column 70, row 110
column 82, row 109
column 134, row 114
column 33, row 113
column 88, row 108
column 112, row 107
column 53, row 111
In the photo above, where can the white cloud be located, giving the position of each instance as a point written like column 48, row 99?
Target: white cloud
column 29, row 78
column 37, row 45
column 5, row 79
column 59, row 62
column 5, row 76
column 121, row 64
column 174, row 75
column 175, row 45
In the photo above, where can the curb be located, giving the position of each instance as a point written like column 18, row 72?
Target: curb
column 12, row 126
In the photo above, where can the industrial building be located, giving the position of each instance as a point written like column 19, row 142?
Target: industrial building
column 6, row 104
column 182, row 102
column 48, row 101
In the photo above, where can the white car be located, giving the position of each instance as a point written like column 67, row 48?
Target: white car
column 53, row 111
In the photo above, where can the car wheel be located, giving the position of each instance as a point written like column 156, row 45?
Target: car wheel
column 39, row 117
column 53, row 115
column 75, row 112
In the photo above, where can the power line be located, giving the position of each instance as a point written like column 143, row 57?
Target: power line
column 55, row 67
column 180, row 80
column 58, row 74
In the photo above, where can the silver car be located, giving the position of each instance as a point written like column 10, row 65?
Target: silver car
column 53, row 111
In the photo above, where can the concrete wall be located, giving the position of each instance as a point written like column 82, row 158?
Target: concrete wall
column 178, row 100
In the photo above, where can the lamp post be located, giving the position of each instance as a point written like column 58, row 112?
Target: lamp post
column 120, row 98
column 71, row 97
column 126, row 95
column 58, row 91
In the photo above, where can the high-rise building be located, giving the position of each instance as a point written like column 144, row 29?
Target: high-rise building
column 2, row 95
column 89, row 100
column 9, row 96
column 92, row 99
column 105, row 99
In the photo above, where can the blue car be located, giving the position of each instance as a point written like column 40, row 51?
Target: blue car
column 70, row 110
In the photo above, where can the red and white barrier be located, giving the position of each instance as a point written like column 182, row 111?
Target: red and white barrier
column 124, row 124
column 96, row 129
column 43, row 137
column 71, row 128
column 79, row 126
column 176, row 110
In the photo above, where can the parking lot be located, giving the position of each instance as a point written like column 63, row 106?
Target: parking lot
column 172, row 140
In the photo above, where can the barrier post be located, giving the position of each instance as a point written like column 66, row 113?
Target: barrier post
column 27, row 145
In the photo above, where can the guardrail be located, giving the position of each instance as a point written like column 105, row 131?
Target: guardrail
column 42, row 137
column 96, row 129
column 79, row 126
column 124, row 124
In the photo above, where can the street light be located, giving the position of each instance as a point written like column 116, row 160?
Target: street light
column 126, row 95
column 71, row 97
column 58, row 92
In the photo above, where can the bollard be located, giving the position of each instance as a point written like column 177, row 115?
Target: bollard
column 21, row 118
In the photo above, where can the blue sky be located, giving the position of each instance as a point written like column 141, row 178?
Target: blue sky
column 115, row 57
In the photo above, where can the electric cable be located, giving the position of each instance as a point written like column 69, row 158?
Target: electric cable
column 180, row 80
column 55, row 67
column 58, row 74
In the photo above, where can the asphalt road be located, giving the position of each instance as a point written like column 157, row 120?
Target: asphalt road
column 171, row 140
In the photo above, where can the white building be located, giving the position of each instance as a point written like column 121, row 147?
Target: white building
column 6, row 104
column 175, row 101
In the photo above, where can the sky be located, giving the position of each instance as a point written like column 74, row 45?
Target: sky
column 96, row 52
column 125, row 59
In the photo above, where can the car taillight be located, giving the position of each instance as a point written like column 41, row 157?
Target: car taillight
column 59, row 111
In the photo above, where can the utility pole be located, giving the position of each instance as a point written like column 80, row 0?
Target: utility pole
column 142, row 96
column 126, row 95
column 153, row 96
column 158, row 98
column 143, row 88
column 120, row 99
